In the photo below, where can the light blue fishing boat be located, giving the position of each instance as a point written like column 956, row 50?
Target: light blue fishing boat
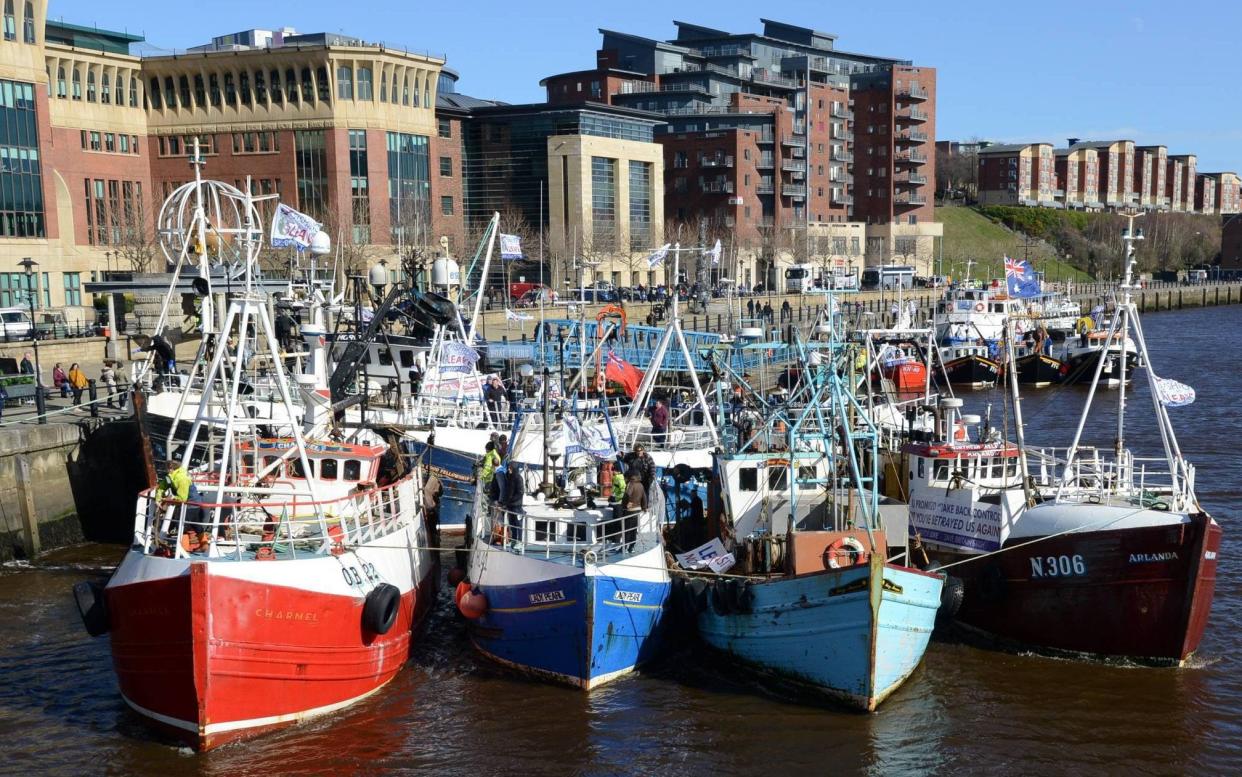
column 812, row 597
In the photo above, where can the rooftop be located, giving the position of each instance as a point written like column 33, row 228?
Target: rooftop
column 89, row 37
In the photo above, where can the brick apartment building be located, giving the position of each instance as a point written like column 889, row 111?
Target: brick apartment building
column 1231, row 243
column 1017, row 174
column 1152, row 164
column 768, row 133
column 341, row 129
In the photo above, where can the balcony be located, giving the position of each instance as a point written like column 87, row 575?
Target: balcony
column 638, row 87
column 793, row 164
column 913, row 199
column 841, row 112
column 916, row 179
column 765, row 188
column 844, row 178
column 791, row 140
column 840, row 197
column 912, row 93
column 915, row 115
column 761, row 76
column 798, row 152
column 766, row 137
column 724, row 161
column 841, row 155
column 793, row 190
column 911, row 158
column 845, row 135
column 765, row 162
column 912, row 136
column 716, row 187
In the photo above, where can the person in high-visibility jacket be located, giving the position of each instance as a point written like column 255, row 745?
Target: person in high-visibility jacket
column 618, row 485
column 175, row 484
column 491, row 460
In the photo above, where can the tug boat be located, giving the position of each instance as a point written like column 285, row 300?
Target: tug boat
column 289, row 583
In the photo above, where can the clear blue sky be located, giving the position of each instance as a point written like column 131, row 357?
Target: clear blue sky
column 1154, row 72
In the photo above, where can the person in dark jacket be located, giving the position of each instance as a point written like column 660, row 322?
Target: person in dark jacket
column 659, row 422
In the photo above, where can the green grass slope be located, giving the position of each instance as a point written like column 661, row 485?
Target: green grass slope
column 969, row 235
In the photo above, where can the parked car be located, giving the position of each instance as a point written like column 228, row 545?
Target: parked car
column 533, row 298
column 14, row 324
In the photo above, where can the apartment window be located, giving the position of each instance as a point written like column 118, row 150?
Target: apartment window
column 174, row 146
column 274, row 87
column 133, row 92
column 124, row 144
column 77, row 85
column 640, row 205
column 446, row 205
column 61, row 91
column 444, row 128
column 213, row 88
column 364, row 84
column 260, row 88
column 10, row 23
column 603, row 202
column 746, row 153
column 393, row 95
column 446, row 166
column 359, row 185
column 291, row 86
column 110, row 142
column 325, row 89
column 105, row 92
column 409, row 184
column 95, row 142
column 345, row 83
column 230, row 90
column 28, row 24
column 405, row 90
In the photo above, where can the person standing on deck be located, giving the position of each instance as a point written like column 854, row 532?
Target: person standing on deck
column 493, row 395
column 659, row 423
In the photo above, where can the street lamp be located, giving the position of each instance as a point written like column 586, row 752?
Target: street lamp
column 29, row 266
column 108, row 259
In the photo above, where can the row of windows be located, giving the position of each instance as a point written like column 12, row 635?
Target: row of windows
column 359, row 187
column 109, row 142
column 359, row 83
column 183, row 145
column 28, row 22
column 16, row 288
column 104, row 94
column 257, row 88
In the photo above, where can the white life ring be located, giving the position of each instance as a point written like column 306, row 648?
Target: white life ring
column 845, row 552
column 978, row 307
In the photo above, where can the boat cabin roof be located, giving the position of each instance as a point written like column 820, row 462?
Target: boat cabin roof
column 960, row 450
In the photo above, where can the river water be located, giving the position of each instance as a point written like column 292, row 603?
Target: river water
column 967, row 710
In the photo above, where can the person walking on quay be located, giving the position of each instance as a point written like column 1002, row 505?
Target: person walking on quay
column 27, row 366
column 786, row 311
column 659, row 422
column 750, row 308
column 107, row 376
column 768, row 313
column 60, row 380
column 77, row 382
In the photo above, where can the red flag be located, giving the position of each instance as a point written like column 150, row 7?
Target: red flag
column 618, row 370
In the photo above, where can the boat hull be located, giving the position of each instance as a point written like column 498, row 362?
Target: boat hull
column 214, row 651
column 1141, row 594
column 1041, row 370
column 853, row 635
column 1082, row 367
column 972, row 371
column 456, row 472
column 581, row 627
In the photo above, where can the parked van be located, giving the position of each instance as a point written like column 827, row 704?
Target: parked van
column 14, row 324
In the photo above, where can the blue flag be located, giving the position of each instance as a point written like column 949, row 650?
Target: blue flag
column 1021, row 279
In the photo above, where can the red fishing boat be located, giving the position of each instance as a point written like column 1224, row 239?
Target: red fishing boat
column 281, row 579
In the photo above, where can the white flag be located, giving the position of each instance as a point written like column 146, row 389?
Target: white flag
column 513, row 315
column 510, row 246
column 292, row 228
column 714, row 253
column 1172, row 393
column 659, row 255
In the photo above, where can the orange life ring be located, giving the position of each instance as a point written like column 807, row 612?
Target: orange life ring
column 845, row 552
column 611, row 310
column 978, row 307
column 960, row 434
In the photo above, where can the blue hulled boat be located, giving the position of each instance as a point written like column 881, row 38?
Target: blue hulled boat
column 565, row 588
column 812, row 597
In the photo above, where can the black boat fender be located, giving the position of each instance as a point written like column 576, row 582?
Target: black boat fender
column 379, row 611
column 92, row 606
column 951, row 596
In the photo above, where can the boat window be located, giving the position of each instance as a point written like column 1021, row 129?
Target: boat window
column 941, row 470
column 577, row 532
column 748, row 479
column 385, row 357
column 407, row 357
column 327, row 469
column 807, row 473
column 998, row 468
column 268, row 461
column 247, row 462
column 353, row 469
column 545, row 531
column 366, row 356
column 1012, row 467
column 296, row 470
column 778, row 478
column 921, row 467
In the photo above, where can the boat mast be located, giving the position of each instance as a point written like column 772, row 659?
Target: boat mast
column 1015, row 396
column 1128, row 236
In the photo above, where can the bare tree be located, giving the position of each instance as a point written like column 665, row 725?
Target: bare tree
column 133, row 233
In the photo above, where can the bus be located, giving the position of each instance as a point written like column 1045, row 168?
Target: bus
column 804, row 278
column 890, row 277
column 799, row 278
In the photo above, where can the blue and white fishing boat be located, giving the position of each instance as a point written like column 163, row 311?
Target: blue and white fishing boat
column 812, row 597
column 562, row 584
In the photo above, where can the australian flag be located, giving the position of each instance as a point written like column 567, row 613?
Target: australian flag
column 1021, row 279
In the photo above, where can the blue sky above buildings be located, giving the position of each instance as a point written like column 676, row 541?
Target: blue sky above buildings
column 1153, row 72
